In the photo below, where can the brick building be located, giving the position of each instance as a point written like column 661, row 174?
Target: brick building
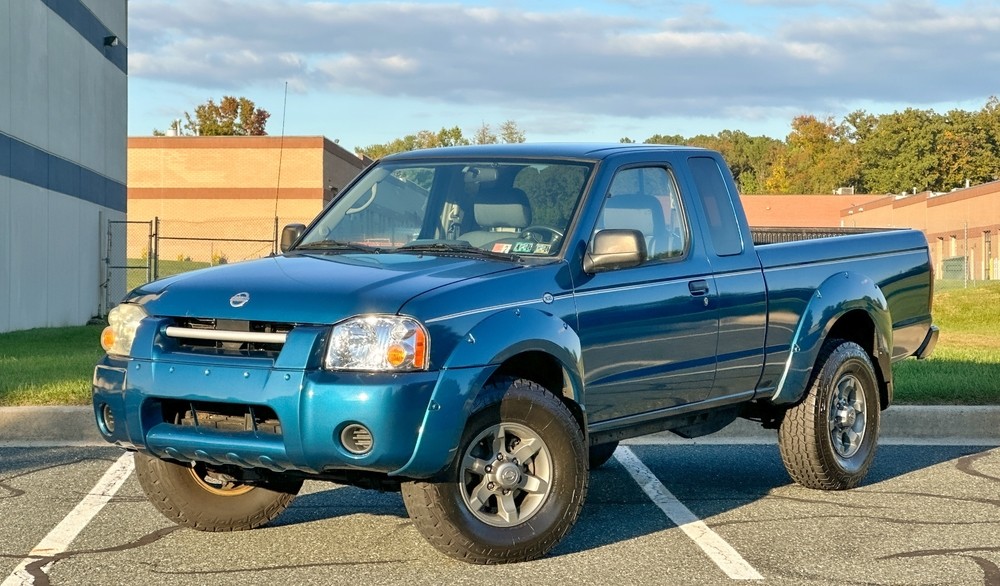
column 225, row 197
column 962, row 226
column 782, row 211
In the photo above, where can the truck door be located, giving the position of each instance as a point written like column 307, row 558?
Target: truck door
column 740, row 295
column 649, row 337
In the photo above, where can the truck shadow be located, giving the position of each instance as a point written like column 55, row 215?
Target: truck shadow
column 710, row 480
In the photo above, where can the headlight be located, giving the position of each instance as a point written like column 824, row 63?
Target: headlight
column 123, row 321
column 377, row 343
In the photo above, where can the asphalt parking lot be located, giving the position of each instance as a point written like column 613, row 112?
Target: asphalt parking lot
column 927, row 514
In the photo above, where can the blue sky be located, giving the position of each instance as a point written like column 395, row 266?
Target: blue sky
column 593, row 70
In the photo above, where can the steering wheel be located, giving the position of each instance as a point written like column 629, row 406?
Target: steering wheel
column 539, row 232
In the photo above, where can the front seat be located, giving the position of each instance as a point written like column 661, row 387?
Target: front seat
column 500, row 213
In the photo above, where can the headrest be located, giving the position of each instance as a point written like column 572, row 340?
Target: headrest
column 633, row 211
column 502, row 208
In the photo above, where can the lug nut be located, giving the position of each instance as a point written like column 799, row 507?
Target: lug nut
column 489, row 469
column 490, row 486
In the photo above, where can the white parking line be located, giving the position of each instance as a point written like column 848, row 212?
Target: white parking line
column 58, row 540
column 723, row 554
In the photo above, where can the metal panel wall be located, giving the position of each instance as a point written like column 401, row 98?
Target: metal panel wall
column 63, row 116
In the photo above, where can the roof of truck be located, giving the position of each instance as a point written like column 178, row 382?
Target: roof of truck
column 538, row 149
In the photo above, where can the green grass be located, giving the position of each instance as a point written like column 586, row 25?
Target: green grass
column 165, row 268
column 965, row 366
column 54, row 366
column 50, row 366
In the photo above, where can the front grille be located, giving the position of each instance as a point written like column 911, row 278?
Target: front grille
column 229, row 337
column 222, row 416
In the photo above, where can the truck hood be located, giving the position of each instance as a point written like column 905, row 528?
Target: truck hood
column 307, row 288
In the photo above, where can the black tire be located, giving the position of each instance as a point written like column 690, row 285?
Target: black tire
column 467, row 514
column 192, row 497
column 828, row 440
column 601, row 453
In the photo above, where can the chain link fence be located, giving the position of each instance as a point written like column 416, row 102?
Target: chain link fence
column 123, row 270
column 138, row 252
column 186, row 245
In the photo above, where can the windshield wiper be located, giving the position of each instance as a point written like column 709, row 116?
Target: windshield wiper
column 337, row 245
column 456, row 247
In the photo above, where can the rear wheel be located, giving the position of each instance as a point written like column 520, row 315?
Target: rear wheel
column 518, row 482
column 207, row 500
column 828, row 440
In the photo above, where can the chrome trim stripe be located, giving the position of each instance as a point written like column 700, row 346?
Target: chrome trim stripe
column 225, row 335
column 488, row 309
column 796, row 264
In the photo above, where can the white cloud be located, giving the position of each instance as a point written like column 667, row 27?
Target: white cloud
column 687, row 62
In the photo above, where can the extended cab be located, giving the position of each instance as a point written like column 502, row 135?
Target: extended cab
column 479, row 326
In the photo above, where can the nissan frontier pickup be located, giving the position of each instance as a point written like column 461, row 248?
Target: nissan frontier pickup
column 478, row 327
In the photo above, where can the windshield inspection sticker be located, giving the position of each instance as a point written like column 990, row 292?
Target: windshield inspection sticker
column 543, row 248
column 501, row 248
column 524, row 247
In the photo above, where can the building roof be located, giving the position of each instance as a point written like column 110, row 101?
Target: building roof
column 821, row 211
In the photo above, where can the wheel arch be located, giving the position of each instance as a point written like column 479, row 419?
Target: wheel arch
column 549, row 372
column 847, row 306
column 522, row 342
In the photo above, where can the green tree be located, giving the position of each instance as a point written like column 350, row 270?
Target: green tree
column 511, row 133
column 901, row 152
column 749, row 157
column 427, row 139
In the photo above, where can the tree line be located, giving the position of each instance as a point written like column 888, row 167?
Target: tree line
column 506, row 132
column 912, row 150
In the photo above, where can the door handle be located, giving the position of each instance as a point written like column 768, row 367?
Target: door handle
column 698, row 288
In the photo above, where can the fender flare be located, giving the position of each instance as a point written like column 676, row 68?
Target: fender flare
column 839, row 294
column 476, row 357
column 511, row 332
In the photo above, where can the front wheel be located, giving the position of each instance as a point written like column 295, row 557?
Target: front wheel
column 209, row 500
column 518, row 482
column 828, row 440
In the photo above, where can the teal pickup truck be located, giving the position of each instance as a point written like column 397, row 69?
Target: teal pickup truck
column 480, row 326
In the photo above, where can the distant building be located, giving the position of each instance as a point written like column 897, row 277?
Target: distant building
column 782, row 211
column 962, row 226
column 224, row 197
column 62, row 156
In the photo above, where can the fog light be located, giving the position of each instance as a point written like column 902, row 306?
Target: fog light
column 108, row 419
column 357, row 439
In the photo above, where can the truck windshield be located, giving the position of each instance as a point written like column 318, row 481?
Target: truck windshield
column 511, row 207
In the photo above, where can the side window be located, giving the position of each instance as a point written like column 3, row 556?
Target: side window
column 720, row 216
column 645, row 199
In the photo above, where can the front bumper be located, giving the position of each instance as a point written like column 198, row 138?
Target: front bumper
column 416, row 419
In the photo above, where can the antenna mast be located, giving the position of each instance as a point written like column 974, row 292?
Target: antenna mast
column 281, row 150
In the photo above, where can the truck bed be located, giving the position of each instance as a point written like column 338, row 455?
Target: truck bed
column 764, row 235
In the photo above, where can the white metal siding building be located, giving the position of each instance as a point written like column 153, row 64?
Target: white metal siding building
column 63, row 106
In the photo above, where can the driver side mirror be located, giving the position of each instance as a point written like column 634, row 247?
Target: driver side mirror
column 290, row 234
column 614, row 249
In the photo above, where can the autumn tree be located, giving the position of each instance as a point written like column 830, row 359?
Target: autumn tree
column 230, row 117
column 819, row 156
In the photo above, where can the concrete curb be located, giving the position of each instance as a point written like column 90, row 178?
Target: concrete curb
column 948, row 424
